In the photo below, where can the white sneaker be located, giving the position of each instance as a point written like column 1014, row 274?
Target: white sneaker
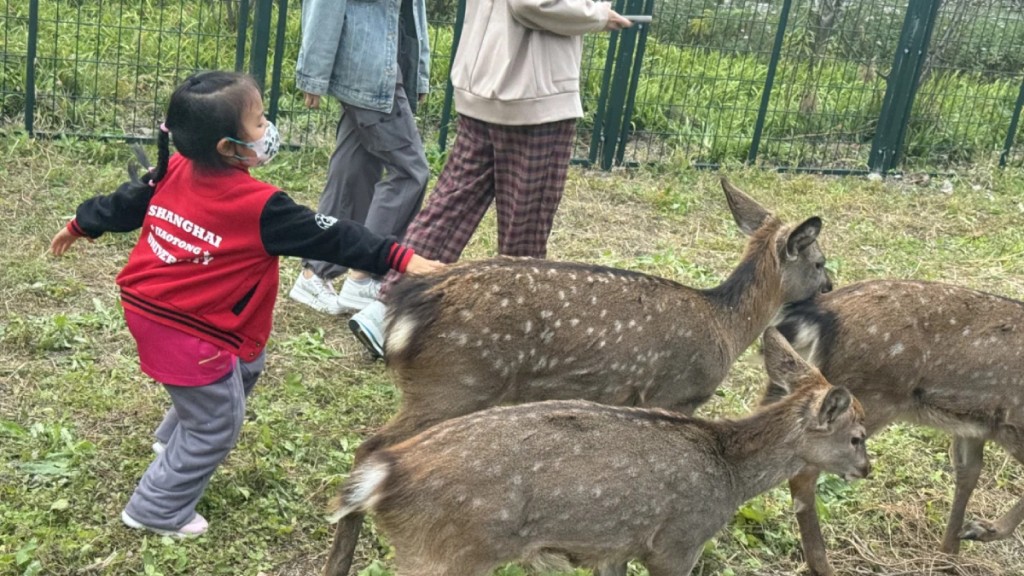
column 354, row 296
column 196, row 527
column 315, row 293
column 368, row 326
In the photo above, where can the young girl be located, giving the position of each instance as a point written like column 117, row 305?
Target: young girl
column 199, row 287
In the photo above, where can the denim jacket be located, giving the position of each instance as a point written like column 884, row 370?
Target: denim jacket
column 350, row 51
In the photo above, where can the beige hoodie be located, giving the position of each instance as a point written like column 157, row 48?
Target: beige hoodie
column 518, row 61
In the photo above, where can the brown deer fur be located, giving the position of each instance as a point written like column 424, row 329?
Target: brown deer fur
column 927, row 353
column 509, row 331
column 573, row 482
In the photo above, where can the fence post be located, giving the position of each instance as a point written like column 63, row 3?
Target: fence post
column 642, row 30
column 446, row 108
column 260, row 41
column 901, row 85
column 615, row 102
column 275, row 78
column 242, row 34
column 769, row 81
column 1012, row 132
column 30, row 66
column 620, row 87
column 597, row 137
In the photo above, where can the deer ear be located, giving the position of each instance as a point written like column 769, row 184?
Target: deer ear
column 802, row 236
column 748, row 214
column 835, row 403
column 783, row 365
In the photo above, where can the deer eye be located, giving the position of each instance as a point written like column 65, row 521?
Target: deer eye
column 819, row 265
column 856, row 440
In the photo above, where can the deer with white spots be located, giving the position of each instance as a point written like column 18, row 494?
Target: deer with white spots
column 927, row 353
column 564, row 483
column 508, row 331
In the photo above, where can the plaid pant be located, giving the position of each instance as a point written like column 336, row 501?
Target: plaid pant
column 521, row 168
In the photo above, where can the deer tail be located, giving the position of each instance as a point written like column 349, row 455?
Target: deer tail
column 412, row 307
column 362, row 490
column 809, row 328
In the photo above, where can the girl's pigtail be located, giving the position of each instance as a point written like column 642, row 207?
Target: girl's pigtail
column 163, row 155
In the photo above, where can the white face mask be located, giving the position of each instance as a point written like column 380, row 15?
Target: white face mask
column 266, row 147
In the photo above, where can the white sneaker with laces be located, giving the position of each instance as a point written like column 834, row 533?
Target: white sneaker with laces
column 354, row 296
column 368, row 326
column 315, row 293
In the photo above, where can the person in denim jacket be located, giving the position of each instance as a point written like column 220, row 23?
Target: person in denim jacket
column 374, row 57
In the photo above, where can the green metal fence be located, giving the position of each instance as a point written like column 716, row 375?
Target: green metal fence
column 823, row 85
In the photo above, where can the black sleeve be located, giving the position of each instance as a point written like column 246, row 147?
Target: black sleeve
column 290, row 229
column 122, row 211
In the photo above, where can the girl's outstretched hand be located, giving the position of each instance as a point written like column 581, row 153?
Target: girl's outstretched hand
column 420, row 265
column 62, row 241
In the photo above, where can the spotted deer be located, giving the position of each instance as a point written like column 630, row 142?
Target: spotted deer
column 508, row 331
column 563, row 483
column 927, row 353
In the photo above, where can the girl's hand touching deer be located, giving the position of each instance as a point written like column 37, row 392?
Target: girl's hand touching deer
column 419, row 265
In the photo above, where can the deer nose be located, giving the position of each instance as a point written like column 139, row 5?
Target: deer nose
column 827, row 286
column 865, row 471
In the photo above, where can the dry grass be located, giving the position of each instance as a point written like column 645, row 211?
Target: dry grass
column 71, row 395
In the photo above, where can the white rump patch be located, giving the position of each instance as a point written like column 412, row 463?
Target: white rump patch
column 363, row 494
column 400, row 335
column 805, row 341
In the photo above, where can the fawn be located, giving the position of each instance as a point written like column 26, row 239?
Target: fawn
column 562, row 483
column 923, row 352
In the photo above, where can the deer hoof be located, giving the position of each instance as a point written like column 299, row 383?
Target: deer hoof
column 981, row 530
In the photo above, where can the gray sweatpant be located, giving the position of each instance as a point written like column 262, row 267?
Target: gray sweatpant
column 200, row 430
column 368, row 143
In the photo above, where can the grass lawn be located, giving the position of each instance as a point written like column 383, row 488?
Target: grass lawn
column 76, row 415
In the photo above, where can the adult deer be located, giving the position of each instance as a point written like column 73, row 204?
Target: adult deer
column 576, row 483
column 927, row 353
column 509, row 331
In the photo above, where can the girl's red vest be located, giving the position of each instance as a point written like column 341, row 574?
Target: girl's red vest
column 200, row 265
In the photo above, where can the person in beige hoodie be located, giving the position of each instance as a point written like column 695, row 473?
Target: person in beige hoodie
column 516, row 76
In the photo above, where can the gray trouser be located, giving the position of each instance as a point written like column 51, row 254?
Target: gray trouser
column 370, row 142
column 199, row 430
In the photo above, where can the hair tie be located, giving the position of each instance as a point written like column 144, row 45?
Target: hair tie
column 163, row 128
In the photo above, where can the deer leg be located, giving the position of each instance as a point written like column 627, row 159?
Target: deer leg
column 989, row 531
column 966, row 455
column 802, row 488
column 346, row 536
